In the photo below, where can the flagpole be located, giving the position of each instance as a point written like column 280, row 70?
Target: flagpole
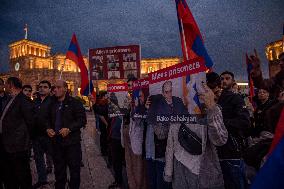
column 184, row 41
column 283, row 39
column 26, row 31
column 89, row 74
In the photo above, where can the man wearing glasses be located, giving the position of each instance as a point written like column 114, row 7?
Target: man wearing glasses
column 16, row 124
column 41, row 144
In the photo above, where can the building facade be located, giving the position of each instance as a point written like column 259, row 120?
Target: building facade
column 272, row 51
column 33, row 62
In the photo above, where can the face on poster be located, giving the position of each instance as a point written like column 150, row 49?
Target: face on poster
column 120, row 62
column 119, row 99
column 169, row 92
column 139, row 97
column 97, row 67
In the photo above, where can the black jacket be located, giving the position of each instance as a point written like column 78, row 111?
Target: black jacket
column 160, row 107
column 42, row 118
column 3, row 102
column 73, row 117
column 237, row 121
column 260, row 118
column 17, row 124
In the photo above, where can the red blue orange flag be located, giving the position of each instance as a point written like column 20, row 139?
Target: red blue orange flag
column 74, row 54
column 192, row 47
column 191, row 39
column 279, row 132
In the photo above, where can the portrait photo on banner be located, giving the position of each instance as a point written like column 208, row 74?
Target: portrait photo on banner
column 119, row 99
column 139, row 97
column 173, row 92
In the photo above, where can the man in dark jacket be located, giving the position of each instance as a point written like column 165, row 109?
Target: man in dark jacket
column 41, row 143
column 15, row 127
column 3, row 99
column 101, row 112
column 166, row 105
column 163, row 107
column 67, row 118
column 237, row 121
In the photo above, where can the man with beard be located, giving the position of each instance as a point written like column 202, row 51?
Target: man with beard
column 237, row 122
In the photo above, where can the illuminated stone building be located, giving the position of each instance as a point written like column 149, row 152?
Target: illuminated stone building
column 273, row 50
column 32, row 62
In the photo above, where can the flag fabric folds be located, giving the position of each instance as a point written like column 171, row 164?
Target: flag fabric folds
column 250, row 81
column 192, row 47
column 279, row 132
column 191, row 39
column 74, row 54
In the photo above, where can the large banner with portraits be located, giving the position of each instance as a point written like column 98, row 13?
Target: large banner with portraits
column 118, row 99
column 120, row 62
column 139, row 97
column 169, row 96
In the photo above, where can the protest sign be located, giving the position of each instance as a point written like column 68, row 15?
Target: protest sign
column 119, row 99
column 120, row 62
column 168, row 90
column 139, row 97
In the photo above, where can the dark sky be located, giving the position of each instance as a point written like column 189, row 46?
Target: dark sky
column 229, row 27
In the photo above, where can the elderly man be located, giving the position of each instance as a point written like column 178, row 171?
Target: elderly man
column 67, row 118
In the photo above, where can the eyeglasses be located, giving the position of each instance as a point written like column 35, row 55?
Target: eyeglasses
column 28, row 90
column 43, row 87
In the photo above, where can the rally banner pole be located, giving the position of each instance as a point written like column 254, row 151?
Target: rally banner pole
column 61, row 69
column 283, row 39
column 184, row 41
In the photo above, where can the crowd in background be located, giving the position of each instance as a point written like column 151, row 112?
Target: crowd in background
column 47, row 126
column 240, row 133
column 226, row 151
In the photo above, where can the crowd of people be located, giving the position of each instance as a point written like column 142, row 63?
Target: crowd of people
column 225, row 151
column 234, row 141
column 46, row 125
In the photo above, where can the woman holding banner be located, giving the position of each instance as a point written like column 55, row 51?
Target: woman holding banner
column 191, row 156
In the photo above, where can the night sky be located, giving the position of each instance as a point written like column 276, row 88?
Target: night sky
column 229, row 27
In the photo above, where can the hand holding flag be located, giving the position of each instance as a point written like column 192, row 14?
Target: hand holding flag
column 192, row 47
